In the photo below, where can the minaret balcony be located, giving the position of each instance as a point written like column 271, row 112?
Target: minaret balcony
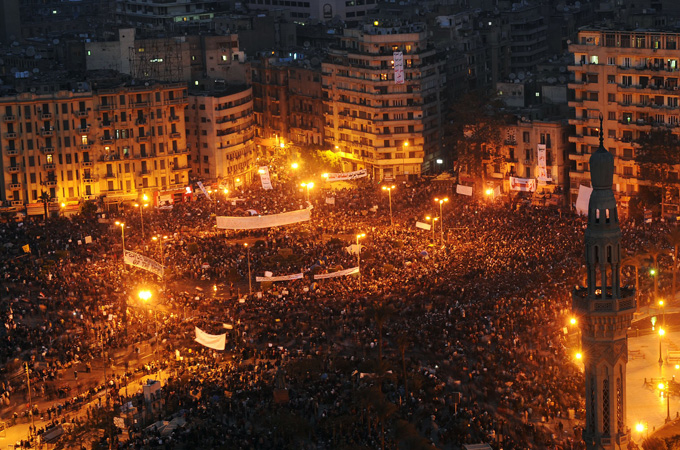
column 585, row 303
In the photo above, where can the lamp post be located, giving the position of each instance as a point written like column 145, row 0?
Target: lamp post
column 663, row 312
column 141, row 207
column 160, row 240
column 308, row 185
column 389, row 195
column 122, row 237
column 433, row 220
column 661, row 333
column 250, row 278
column 441, row 202
column 63, row 209
column 404, row 149
column 359, row 236
column 145, row 296
column 664, row 388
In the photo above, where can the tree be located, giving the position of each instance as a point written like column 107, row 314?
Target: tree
column 45, row 198
column 657, row 158
column 476, row 129
column 673, row 238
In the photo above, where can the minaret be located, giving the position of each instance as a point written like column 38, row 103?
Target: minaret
column 605, row 310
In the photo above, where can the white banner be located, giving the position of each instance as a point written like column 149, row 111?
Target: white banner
column 355, row 249
column 583, row 200
column 214, row 341
column 463, row 190
column 398, row 67
column 522, row 184
column 264, row 177
column 542, row 174
column 295, row 276
column 330, row 200
column 424, row 226
column 137, row 260
column 346, row 176
column 254, row 222
column 200, row 185
column 339, row 273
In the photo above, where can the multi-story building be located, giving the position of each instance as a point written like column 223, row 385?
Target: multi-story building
column 381, row 115
column 168, row 14
column 528, row 36
column 114, row 143
column 318, row 9
column 631, row 79
column 223, row 138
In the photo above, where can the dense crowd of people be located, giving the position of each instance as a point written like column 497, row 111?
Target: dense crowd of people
column 435, row 345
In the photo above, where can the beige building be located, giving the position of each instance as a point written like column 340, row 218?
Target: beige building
column 222, row 136
column 117, row 143
column 390, row 127
column 631, row 78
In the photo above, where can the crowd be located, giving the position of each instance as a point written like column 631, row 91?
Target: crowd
column 435, row 346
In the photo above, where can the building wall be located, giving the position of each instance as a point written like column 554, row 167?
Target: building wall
column 318, row 9
column 116, row 142
column 390, row 129
column 10, row 21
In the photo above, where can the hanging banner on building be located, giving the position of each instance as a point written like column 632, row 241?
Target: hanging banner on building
column 200, row 185
column 542, row 164
column 424, row 226
column 254, row 222
column 264, row 177
column 398, row 67
column 295, row 276
column 214, row 341
column 347, row 176
column 522, row 184
column 583, row 200
column 339, row 273
column 137, row 260
column 463, row 190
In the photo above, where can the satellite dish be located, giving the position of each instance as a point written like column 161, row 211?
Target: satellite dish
column 520, row 75
column 55, row 41
column 14, row 70
column 306, row 44
column 38, row 56
column 30, row 51
column 562, row 79
column 512, row 76
column 563, row 69
column 551, row 80
column 315, row 61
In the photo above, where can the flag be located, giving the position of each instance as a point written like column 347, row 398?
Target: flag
column 26, row 248
column 214, row 341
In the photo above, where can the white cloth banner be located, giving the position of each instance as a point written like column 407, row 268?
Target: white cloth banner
column 330, row 200
column 355, row 249
column 137, row 260
column 424, row 226
column 254, row 222
column 463, row 190
column 265, row 178
column 398, row 67
column 345, row 176
column 542, row 174
column 295, row 276
column 583, row 200
column 339, row 273
column 522, row 184
column 214, row 341
column 200, row 185
column 88, row 239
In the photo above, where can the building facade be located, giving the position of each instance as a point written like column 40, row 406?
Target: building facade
column 318, row 9
column 113, row 143
column 631, row 78
column 221, row 132
column 391, row 127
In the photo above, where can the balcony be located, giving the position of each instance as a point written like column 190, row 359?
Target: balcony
column 87, row 163
column 84, row 146
column 13, row 169
column 15, row 186
column 179, row 168
column 45, row 116
column 47, row 150
column 47, row 132
column 49, row 166
column 9, row 118
column 51, row 183
column 11, row 135
column 12, row 151
column 175, row 101
column 173, row 118
column 175, row 135
column 80, row 113
column 105, row 108
column 109, row 175
column 88, row 180
column 84, row 129
column 140, row 104
column 142, row 138
column 107, row 139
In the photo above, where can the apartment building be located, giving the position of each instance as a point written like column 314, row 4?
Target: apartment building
column 167, row 14
column 631, row 79
column 383, row 93
column 221, row 132
column 115, row 143
column 318, row 9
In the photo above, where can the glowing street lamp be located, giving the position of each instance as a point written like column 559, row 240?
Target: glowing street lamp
column 308, row 185
column 359, row 236
column 141, row 212
column 122, row 237
column 664, row 391
column 294, row 166
column 441, row 202
column 663, row 312
column 661, row 333
column 145, row 296
column 489, row 192
column 160, row 244
column 389, row 194
column 433, row 220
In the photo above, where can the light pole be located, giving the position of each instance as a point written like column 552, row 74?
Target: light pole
column 122, row 237
column 433, row 220
column 664, row 388
column 441, row 202
column 663, row 312
column 250, row 278
column 661, row 333
column 160, row 240
column 141, row 207
column 145, row 296
column 404, row 149
column 389, row 195
column 359, row 236
column 308, row 185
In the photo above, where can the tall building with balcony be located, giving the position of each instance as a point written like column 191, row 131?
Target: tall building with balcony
column 116, row 143
column 166, row 14
column 631, row 78
column 223, row 139
column 318, row 9
column 528, row 36
column 380, row 116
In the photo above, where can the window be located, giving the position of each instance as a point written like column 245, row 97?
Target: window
column 525, row 136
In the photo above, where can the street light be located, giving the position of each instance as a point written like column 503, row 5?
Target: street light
column 661, row 333
column 663, row 312
column 250, row 278
column 308, row 185
column 433, row 220
column 359, row 236
column 160, row 244
column 294, row 166
column 141, row 211
column 122, row 236
column 389, row 194
column 145, row 296
column 441, row 202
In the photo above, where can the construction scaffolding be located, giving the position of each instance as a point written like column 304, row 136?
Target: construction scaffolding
column 157, row 59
